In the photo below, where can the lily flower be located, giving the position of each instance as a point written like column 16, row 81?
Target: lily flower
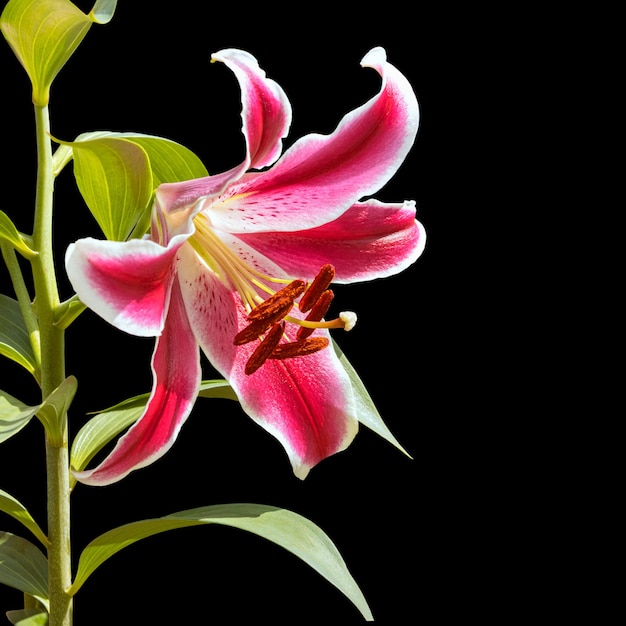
column 239, row 264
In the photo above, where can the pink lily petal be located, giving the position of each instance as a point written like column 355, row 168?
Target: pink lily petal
column 177, row 375
column 307, row 403
column 370, row 240
column 321, row 175
column 126, row 283
column 266, row 117
column 266, row 111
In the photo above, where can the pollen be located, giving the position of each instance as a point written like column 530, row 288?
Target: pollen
column 299, row 348
column 264, row 349
column 320, row 283
column 284, row 298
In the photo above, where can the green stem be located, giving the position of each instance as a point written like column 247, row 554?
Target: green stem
column 52, row 375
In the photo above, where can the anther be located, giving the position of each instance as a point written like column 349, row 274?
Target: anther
column 317, row 312
column 265, row 348
column 299, row 348
column 320, row 283
column 252, row 331
column 278, row 301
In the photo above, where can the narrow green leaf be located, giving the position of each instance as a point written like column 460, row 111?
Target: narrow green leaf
column 367, row 413
column 109, row 423
column 23, row 567
column 217, row 389
column 28, row 617
column 115, row 180
column 16, row 509
column 14, row 341
column 44, row 34
column 99, row 430
column 9, row 233
column 14, row 415
column 285, row 528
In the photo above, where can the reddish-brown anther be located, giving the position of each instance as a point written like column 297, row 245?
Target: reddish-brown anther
column 278, row 301
column 265, row 348
column 320, row 283
column 320, row 308
column 252, row 331
column 299, row 348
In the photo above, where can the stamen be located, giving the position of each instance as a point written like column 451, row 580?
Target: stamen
column 264, row 349
column 277, row 302
column 320, row 283
column 299, row 348
column 317, row 312
column 254, row 330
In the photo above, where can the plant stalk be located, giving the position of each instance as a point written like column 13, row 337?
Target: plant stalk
column 52, row 342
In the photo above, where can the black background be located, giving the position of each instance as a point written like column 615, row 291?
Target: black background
column 406, row 528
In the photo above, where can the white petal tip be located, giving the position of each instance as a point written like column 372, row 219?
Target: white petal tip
column 375, row 57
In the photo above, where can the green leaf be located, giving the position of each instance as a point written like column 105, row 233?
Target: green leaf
column 170, row 161
column 14, row 415
column 115, row 180
column 28, row 617
column 217, row 389
column 109, row 423
column 23, row 567
column 117, row 174
column 9, row 233
column 367, row 413
column 285, row 528
column 54, row 408
column 102, row 11
column 45, row 33
column 14, row 341
column 15, row 509
column 68, row 311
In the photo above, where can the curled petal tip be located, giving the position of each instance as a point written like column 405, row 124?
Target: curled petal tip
column 376, row 56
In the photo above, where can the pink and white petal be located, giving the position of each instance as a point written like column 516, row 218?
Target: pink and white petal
column 307, row 403
column 266, row 110
column 370, row 240
column 266, row 117
column 320, row 176
column 177, row 375
column 191, row 194
column 126, row 283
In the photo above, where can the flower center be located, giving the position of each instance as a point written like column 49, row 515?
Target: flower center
column 268, row 315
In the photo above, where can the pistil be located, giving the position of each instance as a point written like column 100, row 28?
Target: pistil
column 317, row 312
